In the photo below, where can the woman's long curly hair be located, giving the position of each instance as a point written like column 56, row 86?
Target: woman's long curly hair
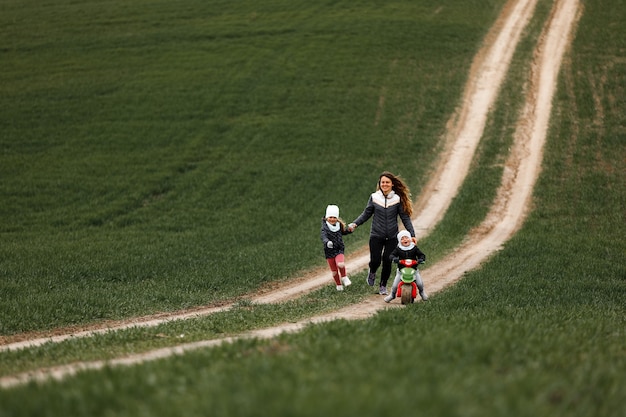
column 400, row 187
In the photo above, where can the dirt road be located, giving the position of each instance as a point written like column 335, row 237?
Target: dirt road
column 466, row 128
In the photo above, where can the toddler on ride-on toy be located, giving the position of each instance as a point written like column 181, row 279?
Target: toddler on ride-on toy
column 406, row 249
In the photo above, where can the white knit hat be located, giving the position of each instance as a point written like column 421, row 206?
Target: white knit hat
column 403, row 233
column 332, row 211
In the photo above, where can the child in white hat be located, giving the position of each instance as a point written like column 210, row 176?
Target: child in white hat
column 333, row 229
column 406, row 249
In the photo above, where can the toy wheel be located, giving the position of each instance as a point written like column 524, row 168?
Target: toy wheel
column 406, row 297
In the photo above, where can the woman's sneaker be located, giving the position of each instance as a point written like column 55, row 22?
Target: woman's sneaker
column 371, row 277
column 346, row 281
column 383, row 290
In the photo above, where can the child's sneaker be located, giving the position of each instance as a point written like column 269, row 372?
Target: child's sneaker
column 383, row 290
column 346, row 281
column 424, row 295
column 388, row 298
column 371, row 277
column 339, row 287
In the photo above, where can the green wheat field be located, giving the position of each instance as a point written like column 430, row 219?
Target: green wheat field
column 161, row 155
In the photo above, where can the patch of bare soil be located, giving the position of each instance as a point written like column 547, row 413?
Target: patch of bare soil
column 465, row 130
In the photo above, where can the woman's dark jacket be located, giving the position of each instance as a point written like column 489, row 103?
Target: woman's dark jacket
column 386, row 210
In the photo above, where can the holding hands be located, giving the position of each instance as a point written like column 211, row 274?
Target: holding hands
column 351, row 227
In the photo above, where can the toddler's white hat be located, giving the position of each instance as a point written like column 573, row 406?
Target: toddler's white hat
column 403, row 233
column 332, row 211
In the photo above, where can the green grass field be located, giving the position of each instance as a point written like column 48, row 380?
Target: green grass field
column 163, row 155
column 189, row 149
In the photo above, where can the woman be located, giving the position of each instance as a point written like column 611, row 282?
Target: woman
column 391, row 200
